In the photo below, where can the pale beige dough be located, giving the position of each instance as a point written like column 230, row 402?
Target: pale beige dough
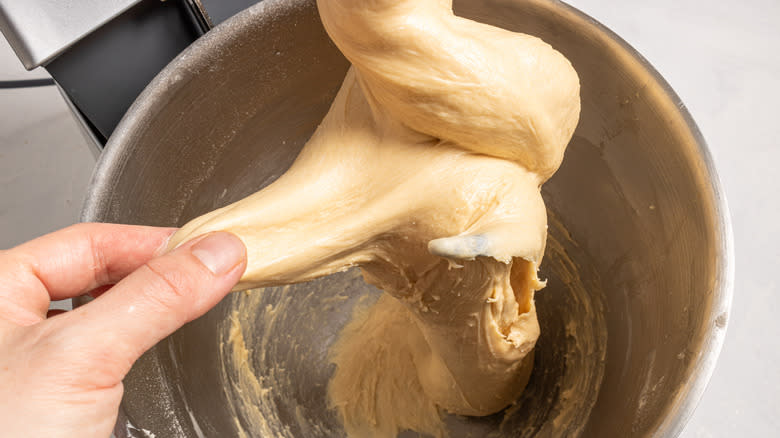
column 436, row 145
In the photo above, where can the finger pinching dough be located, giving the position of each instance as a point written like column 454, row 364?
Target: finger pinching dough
column 426, row 173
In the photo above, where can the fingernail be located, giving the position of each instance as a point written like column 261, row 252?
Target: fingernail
column 219, row 252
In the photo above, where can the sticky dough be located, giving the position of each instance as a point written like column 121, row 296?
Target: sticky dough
column 426, row 173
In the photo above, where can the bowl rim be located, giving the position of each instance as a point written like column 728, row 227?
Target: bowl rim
column 114, row 157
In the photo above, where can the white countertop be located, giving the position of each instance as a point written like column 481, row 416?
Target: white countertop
column 723, row 59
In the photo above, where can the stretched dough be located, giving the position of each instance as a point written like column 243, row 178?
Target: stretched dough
column 426, row 173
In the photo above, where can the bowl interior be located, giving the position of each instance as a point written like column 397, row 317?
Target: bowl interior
column 634, row 310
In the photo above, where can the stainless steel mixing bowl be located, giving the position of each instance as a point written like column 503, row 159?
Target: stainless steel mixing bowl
column 639, row 262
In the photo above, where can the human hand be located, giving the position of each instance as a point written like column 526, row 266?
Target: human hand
column 61, row 374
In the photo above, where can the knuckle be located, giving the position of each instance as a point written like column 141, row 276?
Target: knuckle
column 177, row 276
column 168, row 288
column 101, row 269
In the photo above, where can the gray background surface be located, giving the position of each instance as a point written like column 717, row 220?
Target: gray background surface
column 722, row 59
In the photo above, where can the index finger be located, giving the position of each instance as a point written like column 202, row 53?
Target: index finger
column 69, row 262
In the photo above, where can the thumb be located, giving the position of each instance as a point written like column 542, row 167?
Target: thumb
column 154, row 301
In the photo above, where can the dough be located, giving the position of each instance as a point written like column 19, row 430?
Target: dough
column 426, row 173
